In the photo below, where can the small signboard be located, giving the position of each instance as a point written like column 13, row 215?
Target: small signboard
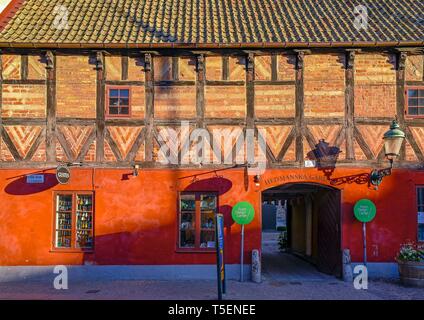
column 220, row 254
column 365, row 210
column 63, row 174
column 35, row 179
column 310, row 163
column 243, row 213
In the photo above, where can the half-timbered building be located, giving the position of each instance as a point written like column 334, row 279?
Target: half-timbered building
column 99, row 87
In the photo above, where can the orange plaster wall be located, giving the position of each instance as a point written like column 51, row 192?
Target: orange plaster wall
column 136, row 219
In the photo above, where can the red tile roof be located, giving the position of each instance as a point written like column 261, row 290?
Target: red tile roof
column 212, row 23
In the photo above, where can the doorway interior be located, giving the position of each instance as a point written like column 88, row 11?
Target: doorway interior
column 301, row 232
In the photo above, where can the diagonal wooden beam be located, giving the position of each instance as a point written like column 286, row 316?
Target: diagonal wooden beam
column 41, row 137
column 287, row 144
column 9, row 143
column 65, row 146
column 410, row 138
column 86, row 146
column 136, row 146
column 364, row 146
column 113, row 145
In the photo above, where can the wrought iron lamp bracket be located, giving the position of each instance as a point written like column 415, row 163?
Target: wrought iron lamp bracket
column 376, row 176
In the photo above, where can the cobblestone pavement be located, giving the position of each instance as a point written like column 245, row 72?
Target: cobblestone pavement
column 284, row 278
column 206, row 290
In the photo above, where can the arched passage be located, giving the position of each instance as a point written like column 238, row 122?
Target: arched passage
column 309, row 217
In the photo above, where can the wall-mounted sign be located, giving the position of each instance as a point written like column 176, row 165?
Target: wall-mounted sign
column 35, row 178
column 63, row 174
column 310, row 163
column 243, row 213
column 365, row 210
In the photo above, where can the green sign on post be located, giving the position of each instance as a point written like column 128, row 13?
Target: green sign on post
column 243, row 213
column 365, row 210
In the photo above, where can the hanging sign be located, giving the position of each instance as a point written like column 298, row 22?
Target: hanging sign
column 35, row 179
column 63, row 174
column 220, row 255
column 365, row 210
column 243, row 213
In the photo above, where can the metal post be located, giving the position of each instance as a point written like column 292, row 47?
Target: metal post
column 242, row 253
column 364, row 231
column 218, row 262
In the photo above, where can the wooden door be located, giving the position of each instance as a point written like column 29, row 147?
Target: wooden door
column 329, row 233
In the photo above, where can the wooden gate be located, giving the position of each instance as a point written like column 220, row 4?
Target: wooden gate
column 329, row 233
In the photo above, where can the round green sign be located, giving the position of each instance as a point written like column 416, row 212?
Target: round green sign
column 365, row 210
column 243, row 213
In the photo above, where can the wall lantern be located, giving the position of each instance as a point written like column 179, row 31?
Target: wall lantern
column 393, row 140
column 257, row 180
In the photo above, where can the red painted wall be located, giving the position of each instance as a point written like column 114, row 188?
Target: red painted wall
column 136, row 218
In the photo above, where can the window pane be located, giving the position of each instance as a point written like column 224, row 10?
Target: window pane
column 420, row 200
column 413, row 111
column 63, row 221
column 114, row 93
column 124, row 110
column 420, row 196
column 412, row 93
column 113, row 110
column 421, row 102
column 208, row 209
column 421, row 111
column 124, row 93
column 84, row 227
column 113, row 101
column 187, row 221
column 421, row 93
column 413, row 102
column 124, row 102
column 421, row 232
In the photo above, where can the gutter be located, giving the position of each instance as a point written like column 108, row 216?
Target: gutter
column 257, row 45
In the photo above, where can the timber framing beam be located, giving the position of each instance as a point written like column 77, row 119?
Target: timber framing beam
column 51, row 107
column 400, row 96
column 350, row 103
column 299, row 106
column 149, row 101
column 200, row 91
column 100, row 106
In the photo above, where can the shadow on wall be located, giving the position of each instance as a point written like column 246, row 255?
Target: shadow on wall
column 20, row 187
column 326, row 157
column 215, row 184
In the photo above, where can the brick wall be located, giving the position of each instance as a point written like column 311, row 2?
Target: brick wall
column 274, row 101
column 76, row 87
column 375, row 85
column 175, row 102
column 24, row 101
column 324, row 83
column 225, row 102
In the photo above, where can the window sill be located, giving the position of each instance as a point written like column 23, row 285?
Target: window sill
column 71, row 250
column 195, row 251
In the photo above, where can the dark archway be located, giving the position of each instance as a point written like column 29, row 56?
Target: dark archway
column 312, row 228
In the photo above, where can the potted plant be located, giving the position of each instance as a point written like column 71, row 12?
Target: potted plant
column 410, row 261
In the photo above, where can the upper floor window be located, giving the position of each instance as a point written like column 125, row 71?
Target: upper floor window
column 420, row 200
column 415, row 101
column 118, row 102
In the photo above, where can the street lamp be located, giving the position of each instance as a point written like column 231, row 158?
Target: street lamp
column 393, row 140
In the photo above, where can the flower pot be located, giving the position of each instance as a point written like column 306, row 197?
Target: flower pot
column 411, row 273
